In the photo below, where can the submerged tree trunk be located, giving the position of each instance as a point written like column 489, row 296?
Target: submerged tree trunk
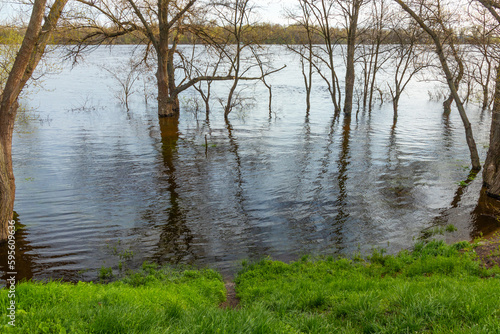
column 486, row 98
column 491, row 171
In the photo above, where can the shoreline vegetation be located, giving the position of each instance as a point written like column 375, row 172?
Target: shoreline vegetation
column 435, row 287
column 264, row 33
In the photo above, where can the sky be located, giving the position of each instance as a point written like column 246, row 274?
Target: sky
column 270, row 11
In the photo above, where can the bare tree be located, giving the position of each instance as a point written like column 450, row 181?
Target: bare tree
column 429, row 28
column 407, row 57
column 203, row 62
column 160, row 24
column 320, row 19
column 125, row 76
column 374, row 55
column 484, row 59
column 235, row 17
column 264, row 62
column 446, row 21
column 323, row 12
column 304, row 19
column 28, row 57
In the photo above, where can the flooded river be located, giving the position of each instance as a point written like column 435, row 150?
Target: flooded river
column 100, row 186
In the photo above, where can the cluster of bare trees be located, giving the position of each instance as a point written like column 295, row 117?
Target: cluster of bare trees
column 400, row 37
column 422, row 33
column 160, row 26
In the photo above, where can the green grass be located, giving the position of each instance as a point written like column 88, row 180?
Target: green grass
column 150, row 301
column 435, row 288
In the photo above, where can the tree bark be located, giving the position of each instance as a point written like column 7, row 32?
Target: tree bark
column 8, row 110
column 395, row 104
column 168, row 102
column 351, row 45
column 491, row 171
column 7, row 180
column 447, row 104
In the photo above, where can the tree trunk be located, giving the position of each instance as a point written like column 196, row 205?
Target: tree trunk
column 8, row 109
column 168, row 101
column 349, row 79
column 469, row 137
column 447, row 104
column 309, row 74
column 229, row 104
column 395, row 104
column 168, row 106
column 491, row 172
column 375, row 70
column 485, row 98
column 7, row 181
column 351, row 44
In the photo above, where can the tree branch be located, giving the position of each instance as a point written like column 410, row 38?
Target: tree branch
column 221, row 78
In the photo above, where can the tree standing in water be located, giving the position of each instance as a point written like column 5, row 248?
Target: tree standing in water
column 160, row 25
column 351, row 10
column 29, row 55
column 420, row 18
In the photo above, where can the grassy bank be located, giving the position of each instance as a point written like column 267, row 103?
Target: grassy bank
column 435, row 288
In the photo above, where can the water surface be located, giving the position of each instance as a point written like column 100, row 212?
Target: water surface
column 97, row 185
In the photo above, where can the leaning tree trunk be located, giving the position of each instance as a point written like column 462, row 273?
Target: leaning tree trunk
column 447, row 104
column 491, row 171
column 8, row 109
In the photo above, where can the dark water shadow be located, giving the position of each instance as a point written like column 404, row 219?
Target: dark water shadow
column 485, row 219
column 25, row 255
column 175, row 239
column 234, row 149
column 341, row 202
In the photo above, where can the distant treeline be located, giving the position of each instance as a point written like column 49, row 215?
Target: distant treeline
column 259, row 34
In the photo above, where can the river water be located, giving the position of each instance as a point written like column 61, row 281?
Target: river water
column 98, row 185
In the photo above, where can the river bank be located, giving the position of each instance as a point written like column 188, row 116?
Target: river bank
column 434, row 288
